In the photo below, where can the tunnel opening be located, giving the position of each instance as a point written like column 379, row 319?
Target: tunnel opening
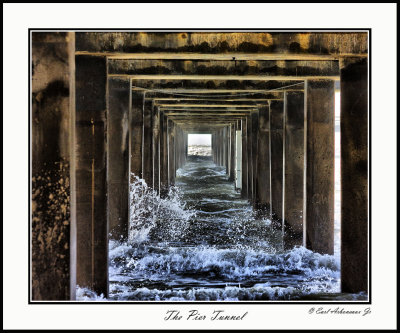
column 199, row 144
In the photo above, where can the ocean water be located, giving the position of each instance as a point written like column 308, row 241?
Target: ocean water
column 204, row 243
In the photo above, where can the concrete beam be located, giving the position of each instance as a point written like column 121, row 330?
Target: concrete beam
column 222, row 67
column 225, row 77
column 223, row 45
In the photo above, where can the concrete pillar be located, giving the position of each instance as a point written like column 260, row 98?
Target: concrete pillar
column 254, row 153
column 245, row 190
column 238, row 160
column 171, row 153
column 354, row 174
column 147, row 150
column 163, row 155
column 249, row 158
column 91, row 171
column 156, row 149
column 276, row 130
column 319, row 164
column 136, row 133
column 232, row 152
column 293, row 185
column 226, row 143
column 119, row 94
column 53, row 242
column 263, row 176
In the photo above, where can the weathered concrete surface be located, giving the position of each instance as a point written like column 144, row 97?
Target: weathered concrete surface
column 91, row 171
column 156, row 149
column 221, row 67
column 354, row 175
column 226, row 149
column 276, row 124
column 171, row 153
column 249, row 158
column 238, row 158
column 232, row 150
column 178, row 85
column 224, row 42
column 52, row 112
column 163, row 155
column 147, row 152
column 136, row 134
column 263, row 177
column 320, row 165
column 254, row 153
column 293, row 169
column 119, row 91
column 245, row 184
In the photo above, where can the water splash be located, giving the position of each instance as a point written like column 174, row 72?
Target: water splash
column 156, row 218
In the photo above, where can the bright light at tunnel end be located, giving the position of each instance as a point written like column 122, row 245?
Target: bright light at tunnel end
column 199, row 139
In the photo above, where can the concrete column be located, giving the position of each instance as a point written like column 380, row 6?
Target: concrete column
column 163, row 155
column 276, row 130
column 171, row 153
column 119, row 94
column 156, row 149
column 263, row 176
column 147, row 150
column 249, row 158
column 254, row 153
column 320, row 162
column 136, row 133
column 293, row 186
column 53, row 242
column 354, row 174
column 238, row 160
column 232, row 152
column 91, row 171
column 245, row 190
column 226, row 143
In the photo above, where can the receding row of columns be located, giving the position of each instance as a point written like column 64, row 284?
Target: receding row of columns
column 287, row 166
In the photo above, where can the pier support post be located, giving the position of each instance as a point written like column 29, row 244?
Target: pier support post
column 354, row 174
column 147, row 153
column 53, row 242
column 163, row 155
column 250, row 158
column 119, row 94
column 276, row 128
column 136, row 133
column 91, row 171
column 319, row 165
column 245, row 185
column 293, row 169
column 263, row 174
column 227, row 148
column 254, row 154
column 171, row 153
column 238, row 159
column 232, row 152
column 156, row 149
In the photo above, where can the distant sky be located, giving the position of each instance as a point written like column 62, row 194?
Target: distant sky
column 199, row 139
